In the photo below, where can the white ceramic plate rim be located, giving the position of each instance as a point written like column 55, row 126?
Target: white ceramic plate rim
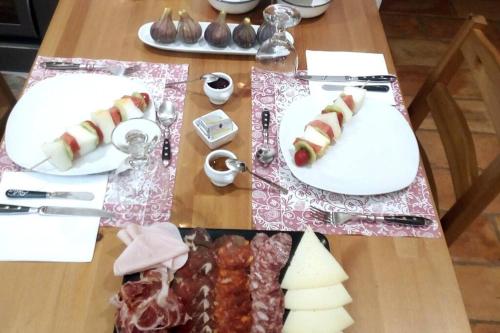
column 201, row 46
column 51, row 105
column 361, row 162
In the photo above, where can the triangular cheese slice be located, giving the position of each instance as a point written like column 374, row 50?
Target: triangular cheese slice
column 358, row 95
column 331, row 119
column 318, row 321
column 312, row 265
column 346, row 112
column 317, row 298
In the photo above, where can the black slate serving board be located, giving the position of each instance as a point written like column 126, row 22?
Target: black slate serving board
column 249, row 235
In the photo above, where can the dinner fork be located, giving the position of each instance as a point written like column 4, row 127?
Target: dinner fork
column 115, row 69
column 342, row 217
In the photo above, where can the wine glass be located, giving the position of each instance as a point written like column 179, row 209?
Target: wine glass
column 133, row 178
column 277, row 53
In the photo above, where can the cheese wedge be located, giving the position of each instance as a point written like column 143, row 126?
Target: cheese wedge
column 332, row 120
column 86, row 140
column 358, row 95
column 318, row 321
column 346, row 112
column 103, row 120
column 312, row 265
column 59, row 154
column 317, row 298
column 127, row 108
column 313, row 135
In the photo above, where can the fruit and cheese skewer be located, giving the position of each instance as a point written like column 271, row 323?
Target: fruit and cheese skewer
column 326, row 128
column 83, row 138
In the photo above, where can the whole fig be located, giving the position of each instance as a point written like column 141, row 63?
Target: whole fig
column 265, row 31
column 218, row 33
column 244, row 35
column 163, row 30
column 188, row 29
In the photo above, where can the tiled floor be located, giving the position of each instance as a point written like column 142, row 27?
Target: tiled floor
column 418, row 33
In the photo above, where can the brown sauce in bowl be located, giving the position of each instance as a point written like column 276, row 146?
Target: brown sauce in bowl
column 220, row 83
column 219, row 163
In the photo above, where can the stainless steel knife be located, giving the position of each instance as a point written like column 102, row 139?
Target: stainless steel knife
column 345, row 78
column 25, row 194
column 374, row 88
column 53, row 210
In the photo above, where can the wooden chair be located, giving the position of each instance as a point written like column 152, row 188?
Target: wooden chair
column 7, row 101
column 474, row 191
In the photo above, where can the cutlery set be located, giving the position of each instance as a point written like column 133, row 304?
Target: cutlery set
column 51, row 210
column 349, row 79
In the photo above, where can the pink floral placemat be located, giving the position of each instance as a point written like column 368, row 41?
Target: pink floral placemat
column 159, row 197
column 273, row 210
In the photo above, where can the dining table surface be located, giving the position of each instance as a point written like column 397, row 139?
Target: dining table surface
column 398, row 284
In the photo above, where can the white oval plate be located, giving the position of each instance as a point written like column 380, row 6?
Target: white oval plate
column 376, row 153
column 201, row 46
column 48, row 108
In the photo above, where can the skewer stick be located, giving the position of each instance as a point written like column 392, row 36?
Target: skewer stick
column 38, row 164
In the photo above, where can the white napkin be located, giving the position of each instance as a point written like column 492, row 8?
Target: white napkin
column 345, row 63
column 50, row 238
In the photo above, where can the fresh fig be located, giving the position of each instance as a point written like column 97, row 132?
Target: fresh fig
column 265, row 31
column 188, row 29
column 244, row 35
column 218, row 33
column 163, row 30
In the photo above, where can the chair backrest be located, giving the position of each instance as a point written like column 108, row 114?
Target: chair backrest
column 482, row 58
column 7, row 101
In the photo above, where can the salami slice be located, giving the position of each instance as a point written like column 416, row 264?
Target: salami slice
column 194, row 283
column 270, row 255
column 233, row 302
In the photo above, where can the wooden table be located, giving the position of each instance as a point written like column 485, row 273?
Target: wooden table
column 398, row 284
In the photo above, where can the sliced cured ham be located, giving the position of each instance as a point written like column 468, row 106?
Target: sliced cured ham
column 148, row 247
column 147, row 304
column 331, row 120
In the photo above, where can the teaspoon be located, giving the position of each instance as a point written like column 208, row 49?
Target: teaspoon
column 166, row 116
column 265, row 154
column 207, row 77
column 240, row 166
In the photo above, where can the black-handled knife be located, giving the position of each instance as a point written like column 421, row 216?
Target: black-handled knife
column 165, row 152
column 26, row 194
column 374, row 88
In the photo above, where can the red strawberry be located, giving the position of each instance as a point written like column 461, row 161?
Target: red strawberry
column 301, row 157
column 146, row 98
